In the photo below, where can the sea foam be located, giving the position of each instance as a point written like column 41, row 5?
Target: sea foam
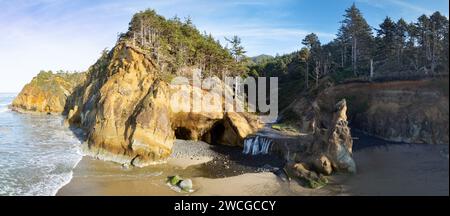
column 37, row 153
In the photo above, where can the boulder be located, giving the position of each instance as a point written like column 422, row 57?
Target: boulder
column 186, row 185
column 174, row 180
column 308, row 178
column 322, row 165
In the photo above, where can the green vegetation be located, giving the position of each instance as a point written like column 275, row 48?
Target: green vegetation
column 45, row 78
column 261, row 59
column 286, row 127
column 175, row 44
column 399, row 50
column 174, row 180
column 315, row 184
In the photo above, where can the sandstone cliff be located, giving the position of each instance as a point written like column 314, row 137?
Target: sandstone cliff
column 124, row 106
column 47, row 92
column 403, row 111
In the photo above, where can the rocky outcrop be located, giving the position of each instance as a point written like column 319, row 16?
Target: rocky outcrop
column 332, row 145
column 326, row 150
column 47, row 92
column 401, row 111
column 125, row 107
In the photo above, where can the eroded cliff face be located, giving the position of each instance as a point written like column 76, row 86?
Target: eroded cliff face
column 125, row 107
column 47, row 92
column 402, row 111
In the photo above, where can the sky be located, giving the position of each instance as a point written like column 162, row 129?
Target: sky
column 70, row 34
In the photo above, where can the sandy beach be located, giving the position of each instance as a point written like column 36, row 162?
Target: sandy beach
column 100, row 178
column 382, row 170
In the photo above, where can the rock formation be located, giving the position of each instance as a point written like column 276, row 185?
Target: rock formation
column 332, row 145
column 327, row 148
column 124, row 106
column 401, row 111
column 47, row 92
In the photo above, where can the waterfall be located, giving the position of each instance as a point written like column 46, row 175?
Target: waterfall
column 257, row 145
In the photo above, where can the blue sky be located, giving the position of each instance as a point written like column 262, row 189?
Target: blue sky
column 70, row 34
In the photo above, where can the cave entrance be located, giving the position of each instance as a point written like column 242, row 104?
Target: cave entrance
column 216, row 134
column 183, row 133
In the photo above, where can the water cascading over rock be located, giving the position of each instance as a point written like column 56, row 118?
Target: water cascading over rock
column 257, row 145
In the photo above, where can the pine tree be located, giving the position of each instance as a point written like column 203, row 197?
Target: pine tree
column 356, row 31
column 311, row 41
column 237, row 50
column 386, row 39
column 304, row 57
column 401, row 32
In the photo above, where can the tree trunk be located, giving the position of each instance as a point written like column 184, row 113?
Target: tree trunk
column 354, row 56
column 317, row 71
column 371, row 69
column 142, row 33
column 306, row 75
column 433, row 54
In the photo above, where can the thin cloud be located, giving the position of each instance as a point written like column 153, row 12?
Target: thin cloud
column 411, row 6
column 407, row 6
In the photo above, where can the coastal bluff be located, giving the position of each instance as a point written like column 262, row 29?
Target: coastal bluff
column 125, row 108
column 410, row 111
column 47, row 92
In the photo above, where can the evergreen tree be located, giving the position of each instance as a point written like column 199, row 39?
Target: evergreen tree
column 358, row 33
column 386, row 40
column 237, row 50
column 311, row 41
column 304, row 57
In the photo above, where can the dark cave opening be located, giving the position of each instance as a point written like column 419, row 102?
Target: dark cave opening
column 183, row 133
column 217, row 132
column 215, row 135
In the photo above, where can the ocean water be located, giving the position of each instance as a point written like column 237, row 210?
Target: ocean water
column 37, row 152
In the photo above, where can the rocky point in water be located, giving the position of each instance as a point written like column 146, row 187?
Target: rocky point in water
column 47, row 92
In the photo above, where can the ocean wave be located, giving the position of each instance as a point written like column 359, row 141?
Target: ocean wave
column 67, row 179
column 4, row 109
column 48, row 154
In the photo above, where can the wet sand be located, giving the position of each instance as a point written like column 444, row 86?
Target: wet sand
column 399, row 170
column 100, row 178
column 382, row 170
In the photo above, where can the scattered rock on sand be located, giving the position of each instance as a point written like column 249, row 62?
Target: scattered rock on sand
column 323, row 165
column 179, row 184
column 308, row 178
column 174, row 180
column 186, row 185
